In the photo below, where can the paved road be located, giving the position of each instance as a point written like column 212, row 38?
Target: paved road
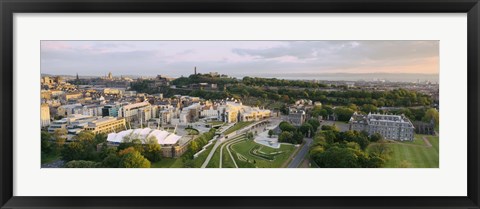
column 210, row 155
column 301, row 154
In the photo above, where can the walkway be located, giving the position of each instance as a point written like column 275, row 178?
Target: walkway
column 428, row 144
column 222, row 139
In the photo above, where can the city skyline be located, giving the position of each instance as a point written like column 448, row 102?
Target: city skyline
column 239, row 58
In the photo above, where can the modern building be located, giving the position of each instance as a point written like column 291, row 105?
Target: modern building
column 165, row 116
column 189, row 114
column 137, row 112
column 232, row 112
column 44, row 115
column 66, row 110
column 106, row 125
column 110, row 110
column 171, row 144
column 394, row 127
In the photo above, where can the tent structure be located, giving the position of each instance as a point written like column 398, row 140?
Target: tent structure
column 163, row 137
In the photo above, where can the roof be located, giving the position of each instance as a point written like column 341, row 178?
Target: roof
column 162, row 137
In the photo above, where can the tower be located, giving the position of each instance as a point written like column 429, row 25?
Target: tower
column 77, row 77
column 195, row 70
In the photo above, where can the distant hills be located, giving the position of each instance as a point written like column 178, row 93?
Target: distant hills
column 394, row 77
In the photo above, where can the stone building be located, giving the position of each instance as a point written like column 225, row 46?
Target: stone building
column 394, row 127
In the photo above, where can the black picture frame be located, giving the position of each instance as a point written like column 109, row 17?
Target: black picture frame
column 9, row 7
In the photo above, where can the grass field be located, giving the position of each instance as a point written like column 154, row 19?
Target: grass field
column 238, row 126
column 168, row 163
column 50, row 158
column 213, row 123
column 202, row 156
column 247, row 149
column 215, row 160
column 416, row 153
column 192, row 131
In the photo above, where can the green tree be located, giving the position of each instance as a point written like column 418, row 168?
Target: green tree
column 431, row 114
column 270, row 133
column 286, row 136
column 131, row 158
column 337, row 157
column 286, row 126
column 306, row 129
column 343, row 113
column 111, row 161
column 82, row 147
column 47, row 146
column 376, row 137
column 381, row 149
column 82, row 164
column 152, row 150
column 369, row 108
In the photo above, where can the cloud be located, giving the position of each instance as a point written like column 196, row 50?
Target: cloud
column 176, row 58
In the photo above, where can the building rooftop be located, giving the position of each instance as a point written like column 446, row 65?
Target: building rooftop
column 162, row 137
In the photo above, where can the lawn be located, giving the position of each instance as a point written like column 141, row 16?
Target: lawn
column 227, row 161
column 50, row 158
column 416, row 153
column 203, row 156
column 258, row 154
column 191, row 131
column 214, row 123
column 168, row 163
column 214, row 161
column 238, row 126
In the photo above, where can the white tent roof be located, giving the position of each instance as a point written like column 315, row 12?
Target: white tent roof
column 163, row 137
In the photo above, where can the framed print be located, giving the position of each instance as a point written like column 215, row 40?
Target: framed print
column 265, row 104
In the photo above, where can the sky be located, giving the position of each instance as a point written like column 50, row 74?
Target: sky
column 237, row 58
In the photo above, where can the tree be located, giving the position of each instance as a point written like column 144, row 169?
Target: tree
column 297, row 137
column 369, row 108
column 100, row 138
column 306, row 129
column 330, row 128
column 343, row 113
column 286, row 126
column 315, row 124
column 284, row 109
column 286, row 136
column 47, row 146
column 131, row 158
column 111, row 161
column 431, row 114
column 84, row 136
column 82, row 164
column 270, row 133
column 362, row 141
column 380, row 149
column 336, row 157
column 250, row 135
column 376, row 137
column 316, row 150
column 77, row 151
column 152, row 150
column 60, row 133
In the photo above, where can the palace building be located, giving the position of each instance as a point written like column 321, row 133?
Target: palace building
column 394, row 127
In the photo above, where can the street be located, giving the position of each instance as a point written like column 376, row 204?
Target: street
column 301, row 154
